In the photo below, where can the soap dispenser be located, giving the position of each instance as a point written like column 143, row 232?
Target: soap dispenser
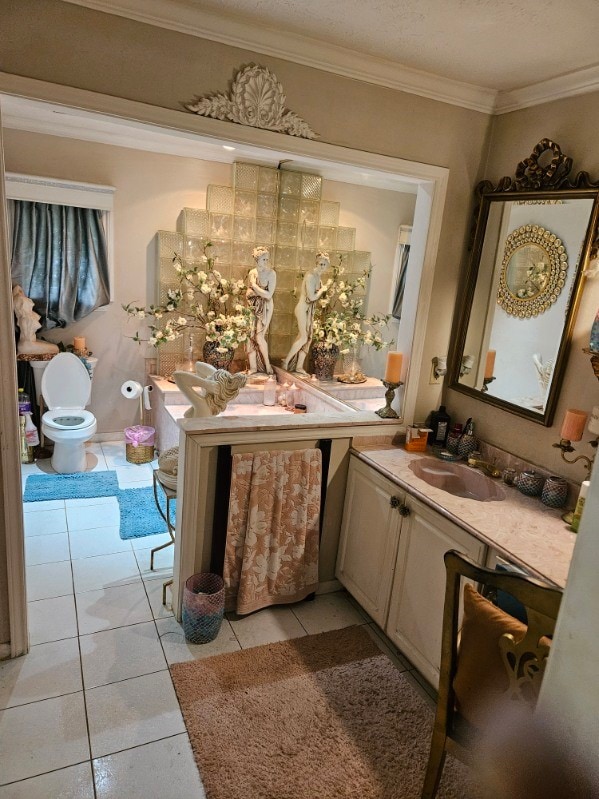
column 468, row 443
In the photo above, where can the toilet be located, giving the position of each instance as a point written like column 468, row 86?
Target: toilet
column 66, row 389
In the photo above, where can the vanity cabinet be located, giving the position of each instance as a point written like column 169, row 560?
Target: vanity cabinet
column 391, row 561
column 369, row 538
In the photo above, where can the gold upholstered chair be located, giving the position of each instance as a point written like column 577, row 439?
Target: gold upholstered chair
column 488, row 658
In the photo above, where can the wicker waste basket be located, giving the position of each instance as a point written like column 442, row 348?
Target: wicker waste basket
column 203, row 607
column 139, row 443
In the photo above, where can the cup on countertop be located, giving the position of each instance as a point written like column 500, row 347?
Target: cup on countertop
column 530, row 483
column 555, row 492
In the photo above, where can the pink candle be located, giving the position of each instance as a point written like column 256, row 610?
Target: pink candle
column 79, row 343
column 490, row 363
column 573, row 425
column 393, row 370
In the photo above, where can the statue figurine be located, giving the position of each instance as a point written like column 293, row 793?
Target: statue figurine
column 29, row 322
column 217, row 388
column 311, row 291
column 262, row 281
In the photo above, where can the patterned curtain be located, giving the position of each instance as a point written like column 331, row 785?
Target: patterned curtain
column 59, row 257
column 273, row 528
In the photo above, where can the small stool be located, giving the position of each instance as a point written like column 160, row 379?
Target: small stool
column 170, row 494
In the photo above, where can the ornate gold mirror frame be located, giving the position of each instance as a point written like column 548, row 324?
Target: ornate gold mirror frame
column 527, row 271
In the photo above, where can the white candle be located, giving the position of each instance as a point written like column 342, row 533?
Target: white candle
column 393, row 370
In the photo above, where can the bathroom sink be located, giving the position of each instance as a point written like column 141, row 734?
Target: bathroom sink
column 457, row 479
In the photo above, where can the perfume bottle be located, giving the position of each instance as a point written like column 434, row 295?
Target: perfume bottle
column 468, row 443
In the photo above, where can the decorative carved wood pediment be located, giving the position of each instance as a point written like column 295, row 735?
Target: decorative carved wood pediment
column 256, row 99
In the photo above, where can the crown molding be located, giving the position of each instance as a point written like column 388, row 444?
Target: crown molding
column 183, row 17
column 583, row 81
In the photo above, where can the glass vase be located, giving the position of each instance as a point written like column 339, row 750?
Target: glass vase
column 324, row 359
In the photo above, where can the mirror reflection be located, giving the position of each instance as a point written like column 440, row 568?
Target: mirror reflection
column 533, row 234
column 528, row 265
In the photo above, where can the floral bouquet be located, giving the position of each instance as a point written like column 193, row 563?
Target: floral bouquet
column 339, row 320
column 205, row 300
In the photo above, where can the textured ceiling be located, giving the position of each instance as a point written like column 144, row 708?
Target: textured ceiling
column 498, row 44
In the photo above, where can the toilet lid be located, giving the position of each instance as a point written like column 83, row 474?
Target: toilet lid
column 65, row 382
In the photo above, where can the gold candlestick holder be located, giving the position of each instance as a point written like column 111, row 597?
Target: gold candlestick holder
column 566, row 446
column 486, row 381
column 387, row 412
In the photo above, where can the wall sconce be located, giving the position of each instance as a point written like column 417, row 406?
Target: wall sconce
column 573, row 430
column 440, row 365
column 466, row 365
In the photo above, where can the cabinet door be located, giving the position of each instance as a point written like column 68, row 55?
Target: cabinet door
column 418, row 594
column 368, row 541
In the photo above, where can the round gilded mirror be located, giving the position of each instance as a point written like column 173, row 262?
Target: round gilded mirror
column 533, row 271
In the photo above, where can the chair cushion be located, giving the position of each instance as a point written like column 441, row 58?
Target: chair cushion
column 481, row 680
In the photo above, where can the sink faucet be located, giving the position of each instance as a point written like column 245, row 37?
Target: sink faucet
column 488, row 468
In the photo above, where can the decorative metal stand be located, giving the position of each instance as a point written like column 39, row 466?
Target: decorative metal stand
column 566, row 446
column 486, row 381
column 387, row 412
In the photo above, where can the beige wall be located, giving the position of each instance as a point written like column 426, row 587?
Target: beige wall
column 573, row 124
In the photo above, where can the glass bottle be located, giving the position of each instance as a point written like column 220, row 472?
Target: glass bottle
column 270, row 391
column 24, row 402
column 25, row 451
column 468, row 443
column 453, row 438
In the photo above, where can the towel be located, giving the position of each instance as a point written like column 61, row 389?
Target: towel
column 271, row 554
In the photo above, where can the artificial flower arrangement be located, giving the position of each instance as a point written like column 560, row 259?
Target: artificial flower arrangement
column 204, row 301
column 339, row 320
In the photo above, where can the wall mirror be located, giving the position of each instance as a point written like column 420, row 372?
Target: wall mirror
column 532, row 236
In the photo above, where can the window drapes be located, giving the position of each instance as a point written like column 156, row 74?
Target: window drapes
column 59, row 257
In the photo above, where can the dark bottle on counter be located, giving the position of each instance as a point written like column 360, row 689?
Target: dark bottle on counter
column 439, row 423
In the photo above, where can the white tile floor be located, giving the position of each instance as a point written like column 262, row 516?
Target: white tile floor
column 91, row 712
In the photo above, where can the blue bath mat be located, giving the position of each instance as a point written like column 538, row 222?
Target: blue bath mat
column 84, row 485
column 139, row 515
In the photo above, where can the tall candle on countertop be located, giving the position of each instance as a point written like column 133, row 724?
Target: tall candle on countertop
column 574, row 424
column 79, row 343
column 490, row 363
column 393, row 370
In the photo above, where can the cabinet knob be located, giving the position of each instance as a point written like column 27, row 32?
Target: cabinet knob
column 395, row 502
column 404, row 510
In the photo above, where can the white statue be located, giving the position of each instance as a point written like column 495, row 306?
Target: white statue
column 262, row 281
column 29, row 322
column 209, row 390
column 311, row 291
column 544, row 371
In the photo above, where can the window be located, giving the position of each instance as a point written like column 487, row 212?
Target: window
column 61, row 245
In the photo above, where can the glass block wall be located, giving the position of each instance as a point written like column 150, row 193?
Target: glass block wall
column 281, row 210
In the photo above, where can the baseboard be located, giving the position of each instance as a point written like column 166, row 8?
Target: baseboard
column 329, row 587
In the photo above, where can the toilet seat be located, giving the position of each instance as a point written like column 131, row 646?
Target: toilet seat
column 68, row 418
column 66, row 384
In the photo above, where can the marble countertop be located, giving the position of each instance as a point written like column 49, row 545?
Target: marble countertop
column 521, row 528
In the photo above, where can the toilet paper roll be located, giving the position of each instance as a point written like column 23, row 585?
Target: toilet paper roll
column 147, row 391
column 131, row 389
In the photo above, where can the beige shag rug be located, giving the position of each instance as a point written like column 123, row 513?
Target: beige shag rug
column 321, row 717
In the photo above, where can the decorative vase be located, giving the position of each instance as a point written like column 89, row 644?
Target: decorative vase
column 555, row 492
column 594, row 340
column 324, row 359
column 220, row 360
column 530, row 483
